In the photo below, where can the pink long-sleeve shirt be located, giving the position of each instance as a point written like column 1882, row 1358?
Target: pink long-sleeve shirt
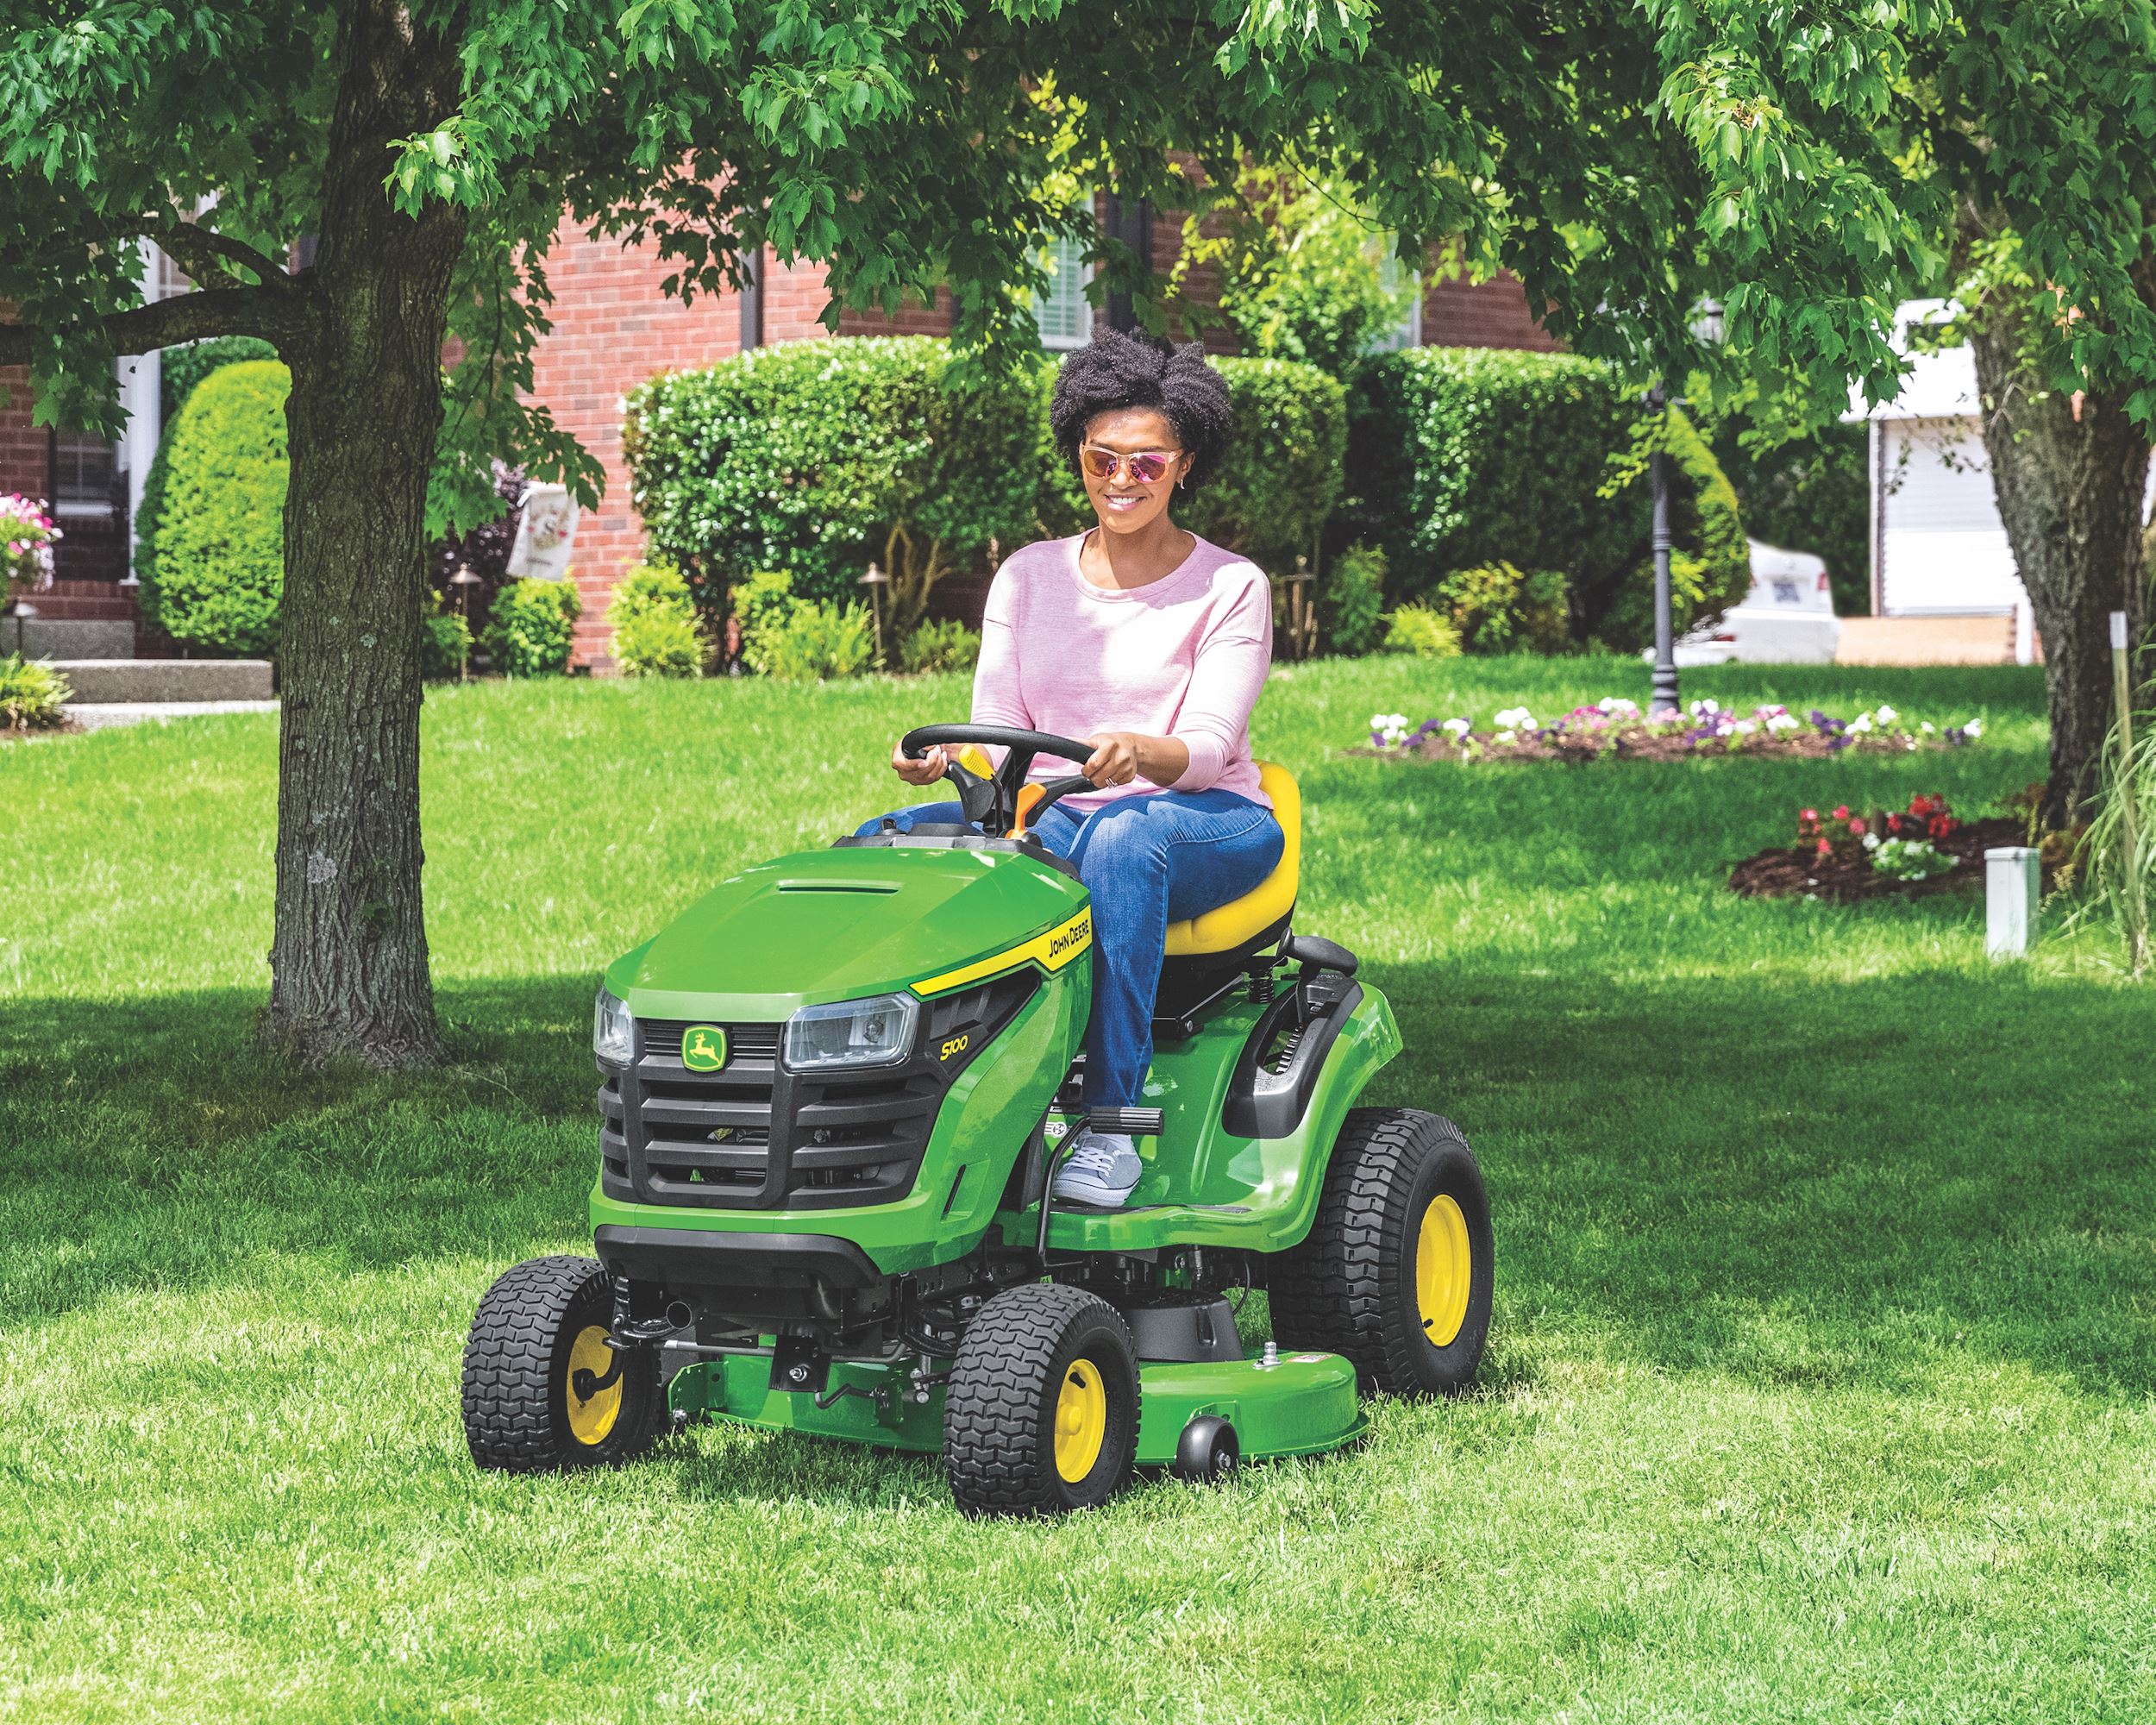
column 1183, row 657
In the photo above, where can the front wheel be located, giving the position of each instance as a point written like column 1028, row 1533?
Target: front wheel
column 1041, row 1413
column 542, row 1393
column 1396, row 1273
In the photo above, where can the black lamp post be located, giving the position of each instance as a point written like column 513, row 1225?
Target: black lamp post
column 877, row 583
column 464, row 580
column 1663, row 695
column 22, row 611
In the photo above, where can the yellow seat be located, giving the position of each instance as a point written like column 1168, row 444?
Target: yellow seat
column 1241, row 920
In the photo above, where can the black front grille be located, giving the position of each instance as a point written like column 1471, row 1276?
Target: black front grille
column 755, row 1136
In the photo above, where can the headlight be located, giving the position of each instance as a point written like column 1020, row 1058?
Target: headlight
column 878, row 1032
column 613, row 1029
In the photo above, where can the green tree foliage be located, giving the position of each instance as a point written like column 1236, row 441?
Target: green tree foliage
column 1466, row 459
column 532, row 628
column 1811, row 493
column 180, row 369
column 816, row 456
column 653, row 619
column 1303, row 274
column 212, row 550
column 1276, row 487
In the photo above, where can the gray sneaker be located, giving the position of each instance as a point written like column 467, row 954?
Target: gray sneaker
column 1101, row 1169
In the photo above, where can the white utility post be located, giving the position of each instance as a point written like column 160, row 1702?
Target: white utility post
column 2013, row 888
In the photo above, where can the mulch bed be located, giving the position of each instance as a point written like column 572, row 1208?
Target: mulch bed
column 1788, row 872
column 66, row 727
column 1807, row 745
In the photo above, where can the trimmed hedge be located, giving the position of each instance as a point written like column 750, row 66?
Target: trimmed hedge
column 180, row 369
column 1279, row 482
column 212, row 538
column 654, row 621
column 816, row 456
column 532, row 628
column 1464, row 459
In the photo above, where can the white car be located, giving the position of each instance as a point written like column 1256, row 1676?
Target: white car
column 1788, row 617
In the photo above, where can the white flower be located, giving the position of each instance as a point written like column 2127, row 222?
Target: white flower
column 1745, row 727
column 1926, row 727
column 1887, row 715
column 1507, row 737
column 1862, row 721
column 1783, row 721
column 1388, row 721
column 1456, row 728
column 1513, row 718
column 1974, row 728
column 1872, row 841
column 1705, row 709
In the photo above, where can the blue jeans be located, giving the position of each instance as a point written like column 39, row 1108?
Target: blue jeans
column 1147, row 861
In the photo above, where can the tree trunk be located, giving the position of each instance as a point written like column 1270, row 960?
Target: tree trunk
column 349, row 960
column 2070, row 476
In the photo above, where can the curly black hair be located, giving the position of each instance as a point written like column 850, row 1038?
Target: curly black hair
column 1118, row 371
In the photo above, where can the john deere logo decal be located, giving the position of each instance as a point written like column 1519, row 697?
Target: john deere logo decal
column 703, row 1048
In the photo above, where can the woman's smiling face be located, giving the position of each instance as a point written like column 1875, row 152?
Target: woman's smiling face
column 1125, row 502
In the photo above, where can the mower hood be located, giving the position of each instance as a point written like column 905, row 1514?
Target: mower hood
column 842, row 925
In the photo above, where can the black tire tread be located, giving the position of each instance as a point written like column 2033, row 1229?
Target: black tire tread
column 1330, row 1293
column 508, row 1377
column 993, row 1402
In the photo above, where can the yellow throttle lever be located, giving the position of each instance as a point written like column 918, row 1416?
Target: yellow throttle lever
column 975, row 759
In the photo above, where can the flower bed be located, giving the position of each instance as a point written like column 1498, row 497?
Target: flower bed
column 1847, row 855
column 1617, row 728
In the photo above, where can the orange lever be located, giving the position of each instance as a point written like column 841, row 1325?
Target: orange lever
column 1030, row 797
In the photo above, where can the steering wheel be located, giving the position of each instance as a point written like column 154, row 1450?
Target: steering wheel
column 1005, row 802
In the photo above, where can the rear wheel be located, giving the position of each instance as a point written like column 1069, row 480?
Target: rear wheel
column 1396, row 1273
column 541, row 1392
column 1040, row 1415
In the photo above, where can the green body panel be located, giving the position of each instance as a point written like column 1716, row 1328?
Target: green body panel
column 838, row 925
column 1304, row 1404
column 845, row 924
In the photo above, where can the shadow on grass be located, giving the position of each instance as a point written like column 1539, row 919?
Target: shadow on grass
column 1789, row 1181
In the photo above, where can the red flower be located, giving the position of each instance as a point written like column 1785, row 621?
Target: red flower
column 1842, row 813
column 1825, row 849
column 1856, row 829
column 1894, row 823
column 1807, row 814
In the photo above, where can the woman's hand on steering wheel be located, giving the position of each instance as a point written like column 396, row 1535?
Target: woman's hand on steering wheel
column 1114, row 760
column 924, row 772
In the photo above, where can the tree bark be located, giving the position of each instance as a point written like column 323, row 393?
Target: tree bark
column 349, row 972
column 2070, row 474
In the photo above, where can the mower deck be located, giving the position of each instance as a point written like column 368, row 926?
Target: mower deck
column 1302, row 1404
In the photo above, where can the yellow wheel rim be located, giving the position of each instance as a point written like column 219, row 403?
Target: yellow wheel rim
column 1444, row 1268
column 590, row 1422
column 1082, row 1420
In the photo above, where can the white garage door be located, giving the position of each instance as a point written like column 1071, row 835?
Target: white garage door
column 1942, row 548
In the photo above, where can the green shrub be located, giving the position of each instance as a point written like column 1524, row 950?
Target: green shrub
column 212, row 542
column 532, row 627
column 815, row 642
column 654, row 620
column 1422, row 631
column 945, row 645
column 1462, row 457
column 1810, row 494
column 180, row 369
column 1281, row 479
column 1499, row 608
column 31, row 695
column 1351, row 602
column 816, row 456
column 445, row 640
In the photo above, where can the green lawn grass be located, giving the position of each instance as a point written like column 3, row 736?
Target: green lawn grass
column 1820, row 1383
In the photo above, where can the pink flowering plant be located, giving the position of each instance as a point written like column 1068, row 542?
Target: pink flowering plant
column 28, row 536
column 1616, row 726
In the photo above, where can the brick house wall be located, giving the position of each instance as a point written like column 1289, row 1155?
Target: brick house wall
column 25, row 451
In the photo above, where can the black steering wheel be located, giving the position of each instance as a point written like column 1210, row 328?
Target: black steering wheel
column 1000, row 803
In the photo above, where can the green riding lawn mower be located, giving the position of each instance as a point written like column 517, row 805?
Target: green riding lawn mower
column 831, row 1096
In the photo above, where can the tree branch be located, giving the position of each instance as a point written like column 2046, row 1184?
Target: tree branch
column 167, row 322
column 196, row 250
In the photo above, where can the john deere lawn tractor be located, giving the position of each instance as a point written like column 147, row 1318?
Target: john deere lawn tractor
column 831, row 1096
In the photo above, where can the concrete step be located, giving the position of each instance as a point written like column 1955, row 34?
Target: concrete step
column 68, row 638
column 167, row 680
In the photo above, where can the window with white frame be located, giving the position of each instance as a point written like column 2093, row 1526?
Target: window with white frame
column 1064, row 314
column 1392, row 276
